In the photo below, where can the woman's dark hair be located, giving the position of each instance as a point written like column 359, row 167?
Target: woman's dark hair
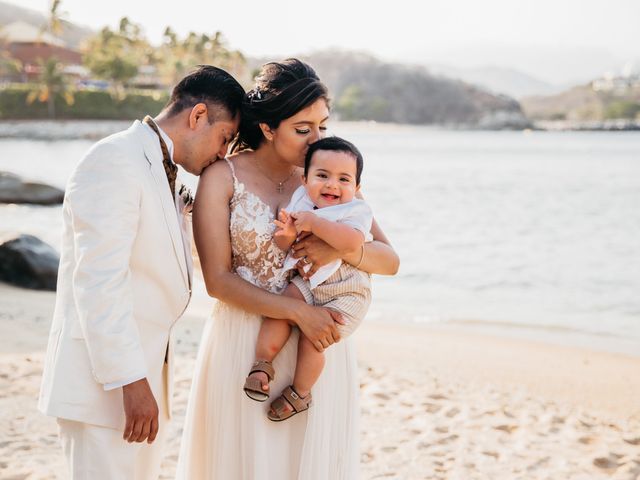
column 282, row 89
column 210, row 85
column 334, row 144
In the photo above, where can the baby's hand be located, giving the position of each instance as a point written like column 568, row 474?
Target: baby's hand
column 285, row 224
column 303, row 221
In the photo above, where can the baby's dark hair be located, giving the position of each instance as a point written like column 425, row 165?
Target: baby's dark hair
column 334, row 144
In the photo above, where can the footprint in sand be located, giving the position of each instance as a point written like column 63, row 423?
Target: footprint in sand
column 586, row 440
column 453, row 412
column 432, row 407
column 605, row 463
column 632, row 440
column 491, row 454
column 448, row 439
column 506, row 428
column 382, row 396
column 438, row 396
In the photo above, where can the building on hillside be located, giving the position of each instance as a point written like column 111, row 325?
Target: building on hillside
column 627, row 82
column 31, row 46
column 147, row 78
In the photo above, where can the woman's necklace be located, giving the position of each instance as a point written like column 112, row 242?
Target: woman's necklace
column 279, row 185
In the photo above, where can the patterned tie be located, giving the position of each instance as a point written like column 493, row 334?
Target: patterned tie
column 170, row 168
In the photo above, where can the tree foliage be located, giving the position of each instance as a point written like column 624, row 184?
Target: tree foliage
column 52, row 83
column 176, row 57
column 116, row 55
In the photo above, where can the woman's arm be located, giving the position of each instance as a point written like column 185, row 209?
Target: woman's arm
column 377, row 256
column 211, row 235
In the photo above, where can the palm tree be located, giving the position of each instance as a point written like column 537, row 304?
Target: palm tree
column 9, row 66
column 52, row 83
column 55, row 25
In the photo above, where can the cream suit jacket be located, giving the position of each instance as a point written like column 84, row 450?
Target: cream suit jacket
column 124, row 280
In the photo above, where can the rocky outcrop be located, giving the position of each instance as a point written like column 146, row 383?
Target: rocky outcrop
column 26, row 261
column 14, row 189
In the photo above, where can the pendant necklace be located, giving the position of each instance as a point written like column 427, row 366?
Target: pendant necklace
column 279, row 185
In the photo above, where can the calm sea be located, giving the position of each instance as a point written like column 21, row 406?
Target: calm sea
column 532, row 234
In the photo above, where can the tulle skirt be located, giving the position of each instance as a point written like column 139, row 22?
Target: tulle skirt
column 227, row 436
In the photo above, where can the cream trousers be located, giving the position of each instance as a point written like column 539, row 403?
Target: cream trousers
column 100, row 453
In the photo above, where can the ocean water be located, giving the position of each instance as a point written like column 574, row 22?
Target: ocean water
column 533, row 234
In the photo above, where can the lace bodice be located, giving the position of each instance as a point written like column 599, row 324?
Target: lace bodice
column 255, row 256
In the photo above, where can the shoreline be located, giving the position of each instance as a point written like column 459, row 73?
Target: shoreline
column 547, row 335
column 606, row 381
column 85, row 129
column 201, row 305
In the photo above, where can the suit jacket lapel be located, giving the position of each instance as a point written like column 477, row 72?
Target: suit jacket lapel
column 154, row 157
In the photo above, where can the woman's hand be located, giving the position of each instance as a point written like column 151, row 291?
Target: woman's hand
column 319, row 325
column 313, row 251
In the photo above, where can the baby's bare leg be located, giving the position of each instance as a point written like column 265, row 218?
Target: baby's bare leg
column 308, row 367
column 274, row 333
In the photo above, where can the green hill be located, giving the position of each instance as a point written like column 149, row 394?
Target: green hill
column 583, row 103
column 365, row 88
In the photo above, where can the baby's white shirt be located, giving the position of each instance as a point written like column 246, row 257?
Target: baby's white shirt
column 355, row 213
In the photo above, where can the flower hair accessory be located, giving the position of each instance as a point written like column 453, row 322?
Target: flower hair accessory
column 255, row 94
column 186, row 198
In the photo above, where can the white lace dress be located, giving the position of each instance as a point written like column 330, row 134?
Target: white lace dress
column 227, row 436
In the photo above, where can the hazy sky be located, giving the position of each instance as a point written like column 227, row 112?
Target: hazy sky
column 555, row 40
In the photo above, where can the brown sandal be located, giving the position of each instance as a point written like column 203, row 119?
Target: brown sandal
column 253, row 386
column 288, row 396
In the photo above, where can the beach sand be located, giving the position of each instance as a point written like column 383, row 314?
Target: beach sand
column 435, row 404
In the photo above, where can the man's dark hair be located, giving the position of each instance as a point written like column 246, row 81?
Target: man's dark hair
column 209, row 85
column 334, row 144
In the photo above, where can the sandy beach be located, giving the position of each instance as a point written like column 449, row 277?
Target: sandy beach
column 435, row 404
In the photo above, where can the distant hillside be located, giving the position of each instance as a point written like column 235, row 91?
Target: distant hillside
column 73, row 35
column 507, row 81
column 364, row 88
column 582, row 103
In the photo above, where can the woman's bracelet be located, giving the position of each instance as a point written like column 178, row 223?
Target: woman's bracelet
column 361, row 257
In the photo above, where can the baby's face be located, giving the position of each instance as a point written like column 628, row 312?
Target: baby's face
column 331, row 179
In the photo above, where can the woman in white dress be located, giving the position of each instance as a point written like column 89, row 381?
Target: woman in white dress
column 227, row 436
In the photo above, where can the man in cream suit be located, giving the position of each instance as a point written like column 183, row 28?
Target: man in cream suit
column 125, row 278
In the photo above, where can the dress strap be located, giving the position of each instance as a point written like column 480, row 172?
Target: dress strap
column 233, row 172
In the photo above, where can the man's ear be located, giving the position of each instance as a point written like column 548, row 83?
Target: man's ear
column 198, row 113
column 304, row 179
column 357, row 188
column 266, row 131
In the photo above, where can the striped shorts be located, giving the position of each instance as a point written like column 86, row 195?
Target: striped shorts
column 347, row 291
